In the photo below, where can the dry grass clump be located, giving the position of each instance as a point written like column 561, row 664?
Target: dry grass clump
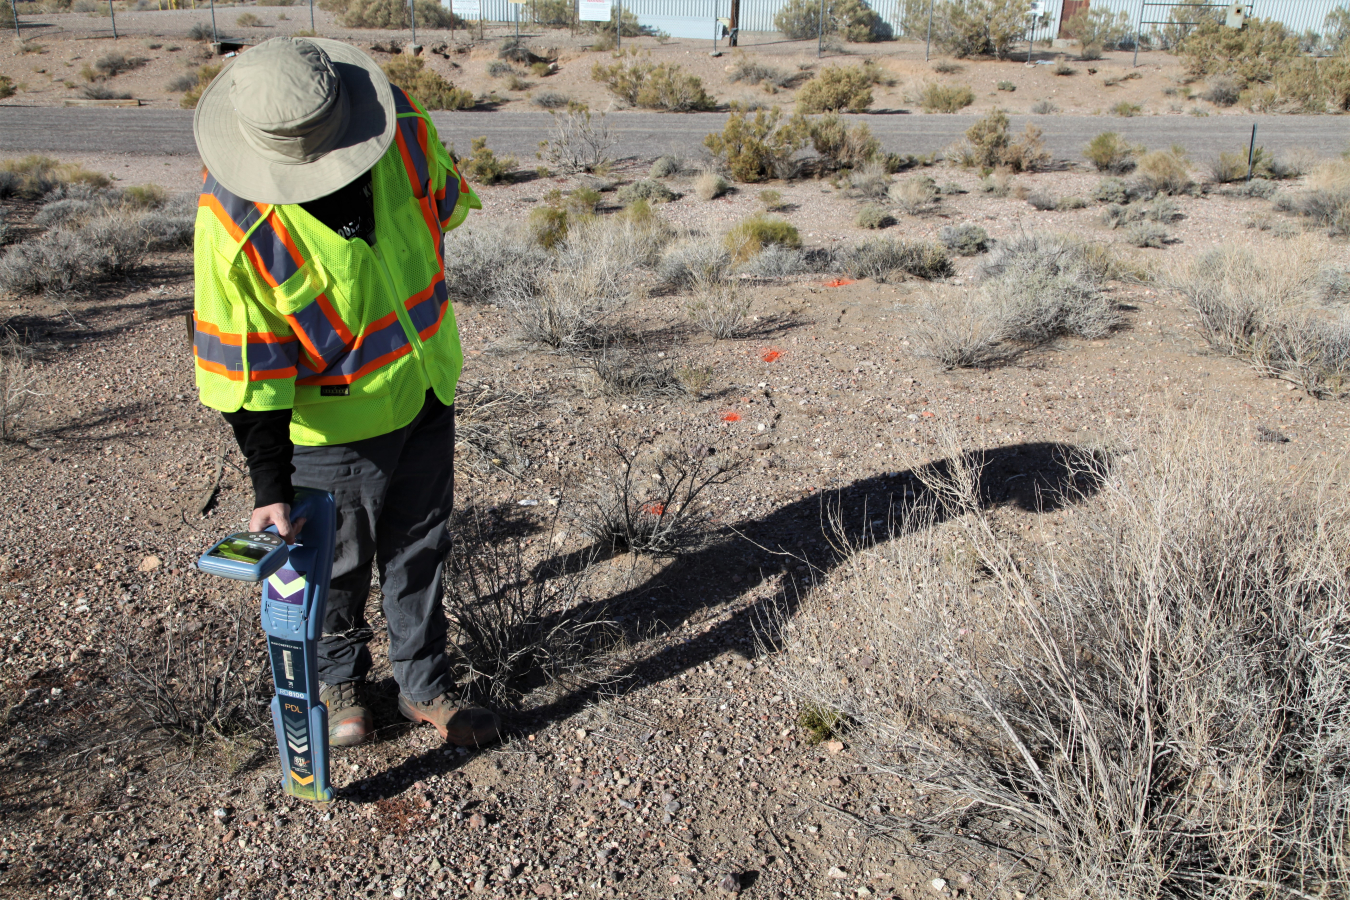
column 691, row 261
column 32, row 177
column 1264, row 310
column 1164, row 171
column 873, row 216
column 19, row 382
column 888, row 259
column 486, row 264
column 916, row 195
column 752, row 72
column 1326, row 202
column 621, row 372
column 749, row 236
column 966, row 239
column 93, row 236
column 718, row 308
column 194, row 83
column 1159, row 710
column 870, row 180
column 710, row 186
column 1035, row 289
column 644, row 498
column 1111, row 153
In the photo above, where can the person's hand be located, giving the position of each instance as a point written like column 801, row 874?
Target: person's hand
column 278, row 514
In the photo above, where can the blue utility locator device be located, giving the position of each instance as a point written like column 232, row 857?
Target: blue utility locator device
column 294, row 598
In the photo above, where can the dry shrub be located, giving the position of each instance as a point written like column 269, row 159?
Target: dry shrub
column 966, row 28
column 1111, row 153
column 1160, row 711
column 394, row 14
column 201, row 79
column 1253, row 53
column 486, row 419
column 870, row 180
column 32, row 177
column 988, row 145
column 485, row 264
column 967, row 239
column 511, row 623
column 485, row 167
column 643, row 498
column 577, row 143
column 873, row 216
column 800, row 20
column 1264, row 310
column 691, row 261
column 1147, row 234
column 840, row 145
column 959, row 331
column 646, row 189
column 1326, row 202
column 426, row 85
column 622, row 372
column 756, row 149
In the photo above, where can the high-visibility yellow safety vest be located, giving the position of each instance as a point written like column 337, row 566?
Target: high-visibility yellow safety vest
column 289, row 315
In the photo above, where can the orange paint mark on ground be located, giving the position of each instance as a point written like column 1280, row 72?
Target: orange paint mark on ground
column 770, row 355
column 839, row 282
column 655, row 509
column 731, row 417
column 926, row 414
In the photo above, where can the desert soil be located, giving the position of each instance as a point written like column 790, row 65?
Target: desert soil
column 683, row 772
column 48, row 67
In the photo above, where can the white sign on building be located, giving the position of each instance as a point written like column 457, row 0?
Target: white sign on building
column 595, row 10
column 466, row 9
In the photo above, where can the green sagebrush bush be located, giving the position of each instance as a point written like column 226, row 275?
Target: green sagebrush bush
column 759, row 148
column 836, row 88
column 647, row 85
column 965, row 28
column 800, row 20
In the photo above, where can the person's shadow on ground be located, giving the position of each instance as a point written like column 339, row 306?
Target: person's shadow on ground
column 805, row 539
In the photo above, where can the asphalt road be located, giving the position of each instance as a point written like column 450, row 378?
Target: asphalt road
column 168, row 132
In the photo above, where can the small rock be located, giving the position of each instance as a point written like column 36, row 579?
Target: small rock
column 672, row 807
column 477, row 821
column 398, row 893
column 581, row 734
column 836, row 872
column 730, row 883
column 149, row 564
column 835, row 747
column 939, row 884
column 577, row 784
column 864, row 892
column 222, row 814
column 543, row 890
column 153, row 883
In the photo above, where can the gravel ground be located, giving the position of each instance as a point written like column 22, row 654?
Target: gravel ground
column 678, row 767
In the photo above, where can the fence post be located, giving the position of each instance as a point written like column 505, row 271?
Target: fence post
column 1139, row 32
column 311, row 15
column 820, row 32
column 215, row 38
column 15, row 10
column 111, row 14
column 618, row 27
column 412, row 18
column 929, row 45
column 1251, row 154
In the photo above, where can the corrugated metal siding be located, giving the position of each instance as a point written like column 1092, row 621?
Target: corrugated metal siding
column 757, row 15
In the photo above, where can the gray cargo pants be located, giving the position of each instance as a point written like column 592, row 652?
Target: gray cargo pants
column 394, row 495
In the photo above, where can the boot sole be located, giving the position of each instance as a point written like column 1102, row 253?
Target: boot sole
column 459, row 740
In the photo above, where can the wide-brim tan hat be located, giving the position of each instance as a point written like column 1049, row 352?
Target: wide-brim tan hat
column 294, row 119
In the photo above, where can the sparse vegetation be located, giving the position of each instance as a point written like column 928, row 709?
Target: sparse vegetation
column 718, row 308
column 988, row 145
column 426, row 85
column 19, row 381
column 966, row 28
column 7, row 88
column 112, row 65
column 33, row 177
column 248, row 20
column 391, row 14
column 915, row 195
column 1164, row 171
column 1121, row 720
column 664, row 167
column 1326, row 202
column 204, row 76
column 1147, row 234
column 1126, row 109
column 646, row 189
column 1043, row 108
column 485, row 167
column 1006, row 86
column 839, row 144
column 550, row 100
column 1096, row 30
column 773, row 200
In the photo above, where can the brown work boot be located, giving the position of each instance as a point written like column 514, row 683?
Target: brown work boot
column 349, row 721
column 460, row 723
